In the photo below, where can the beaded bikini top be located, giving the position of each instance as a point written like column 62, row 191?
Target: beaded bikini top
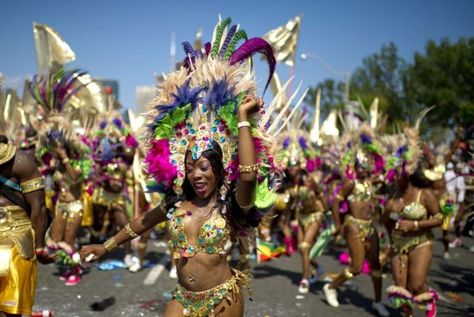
column 415, row 210
column 213, row 238
column 363, row 191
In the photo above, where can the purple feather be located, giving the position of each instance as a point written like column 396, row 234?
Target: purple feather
column 366, row 139
column 286, row 143
column 188, row 48
column 227, row 40
column 251, row 47
column 302, row 142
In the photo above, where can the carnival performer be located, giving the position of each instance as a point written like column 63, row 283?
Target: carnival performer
column 66, row 161
column 114, row 150
column 409, row 216
column 359, row 189
column 23, row 224
column 209, row 154
column 306, row 200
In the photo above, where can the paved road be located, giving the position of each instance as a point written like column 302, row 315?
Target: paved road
column 274, row 289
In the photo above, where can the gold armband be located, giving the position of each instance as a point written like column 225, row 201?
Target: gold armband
column 244, row 257
column 248, row 168
column 130, row 232
column 348, row 274
column 110, row 244
column 32, row 185
column 65, row 160
column 339, row 197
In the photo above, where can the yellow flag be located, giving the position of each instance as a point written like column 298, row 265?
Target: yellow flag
column 51, row 50
column 284, row 40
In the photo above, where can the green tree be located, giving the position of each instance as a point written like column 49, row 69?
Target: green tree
column 381, row 76
column 443, row 76
column 332, row 96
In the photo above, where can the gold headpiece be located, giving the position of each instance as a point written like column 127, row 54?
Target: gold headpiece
column 7, row 152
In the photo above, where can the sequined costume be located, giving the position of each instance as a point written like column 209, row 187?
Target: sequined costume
column 414, row 212
column 308, row 207
column 18, row 265
column 363, row 191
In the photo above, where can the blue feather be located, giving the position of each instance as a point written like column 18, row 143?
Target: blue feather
column 227, row 40
column 219, row 95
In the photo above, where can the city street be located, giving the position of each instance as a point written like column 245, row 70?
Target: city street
column 274, row 287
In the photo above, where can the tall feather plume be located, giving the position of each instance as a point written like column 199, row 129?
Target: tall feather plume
column 240, row 35
column 228, row 38
column 219, row 32
column 53, row 91
column 252, row 46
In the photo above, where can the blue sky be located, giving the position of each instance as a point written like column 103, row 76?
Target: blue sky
column 129, row 40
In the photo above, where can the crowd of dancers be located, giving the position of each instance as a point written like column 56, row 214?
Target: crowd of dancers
column 215, row 169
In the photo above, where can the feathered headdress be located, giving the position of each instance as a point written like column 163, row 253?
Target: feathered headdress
column 53, row 91
column 197, row 106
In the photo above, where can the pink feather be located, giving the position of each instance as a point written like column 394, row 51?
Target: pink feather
column 158, row 160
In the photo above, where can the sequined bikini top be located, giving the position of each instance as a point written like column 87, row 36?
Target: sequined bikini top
column 363, row 191
column 415, row 210
column 305, row 200
column 213, row 238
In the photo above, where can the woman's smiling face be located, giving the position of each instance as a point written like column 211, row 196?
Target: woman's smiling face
column 201, row 176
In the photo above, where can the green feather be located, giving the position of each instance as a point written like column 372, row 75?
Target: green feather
column 219, row 32
column 228, row 114
column 264, row 197
column 165, row 129
column 240, row 35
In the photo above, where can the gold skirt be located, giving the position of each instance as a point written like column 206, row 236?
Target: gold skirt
column 17, row 289
column 305, row 220
column 364, row 227
column 201, row 304
column 108, row 199
column 69, row 210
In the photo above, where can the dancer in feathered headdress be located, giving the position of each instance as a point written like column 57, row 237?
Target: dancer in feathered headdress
column 66, row 161
column 409, row 216
column 362, row 165
column 209, row 153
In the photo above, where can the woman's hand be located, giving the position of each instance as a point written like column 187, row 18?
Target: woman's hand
column 249, row 105
column 92, row 252
column 405, row 226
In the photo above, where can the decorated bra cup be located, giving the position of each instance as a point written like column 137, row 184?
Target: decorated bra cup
column 415, row 210
column 213, row 238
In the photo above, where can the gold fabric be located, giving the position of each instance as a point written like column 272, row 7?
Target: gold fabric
column 364, row 227
column 403, row 245
column 17, row 289
column 284, row 40
column 108, row 199
column 16, row 229
column 87, row 213
column 69, row 211
column 201, row 304
column 7, row 152
column 32, row 185
column 305, row 220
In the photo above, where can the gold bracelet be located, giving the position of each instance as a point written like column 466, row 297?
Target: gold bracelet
column 130, row 232
column 416, row 225
column 248, row 168
column 244, row 257
column 339, row 197
column 110, row 244
column 65, row 160
column 32, row 185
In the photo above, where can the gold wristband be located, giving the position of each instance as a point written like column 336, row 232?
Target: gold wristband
column 65, row 160
column 339, row 197
column 244, row 257
column 130, row 232
column 32, row 185
column 248, row 168
column 110, row 244
column 417, row 225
